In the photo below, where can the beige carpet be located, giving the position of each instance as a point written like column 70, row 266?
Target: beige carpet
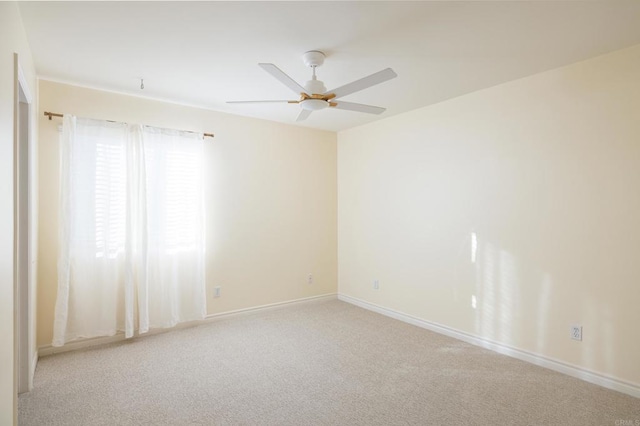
column 322, row 363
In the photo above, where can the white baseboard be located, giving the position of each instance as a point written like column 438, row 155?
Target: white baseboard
column 85, row 343
column 32, row 373
column 46, row 350
column 603, row 380
column 245, row 311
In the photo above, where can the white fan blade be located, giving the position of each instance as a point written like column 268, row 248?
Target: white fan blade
column 303, row 115
column 369, row 109
column 363, row 83
column 255, row 102
column 283, row 78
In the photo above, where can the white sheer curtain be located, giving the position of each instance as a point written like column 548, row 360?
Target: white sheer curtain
column 131, row 233
column 174, row 244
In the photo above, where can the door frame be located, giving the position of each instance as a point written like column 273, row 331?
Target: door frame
column 24, row 201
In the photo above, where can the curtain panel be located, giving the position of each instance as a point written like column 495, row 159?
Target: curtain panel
column 131, row 229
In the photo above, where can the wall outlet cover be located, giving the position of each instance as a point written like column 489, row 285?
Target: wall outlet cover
column 576, row 332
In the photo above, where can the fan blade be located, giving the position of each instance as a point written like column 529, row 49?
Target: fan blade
column 283, row 78
column 259, row 102
column 363, row 83
column 369, row 109
column 304, row 114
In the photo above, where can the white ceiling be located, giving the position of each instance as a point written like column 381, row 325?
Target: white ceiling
column 205, row 53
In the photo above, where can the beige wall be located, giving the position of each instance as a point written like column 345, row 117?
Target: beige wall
column 271, row 199
column 546, row 172
column 12, row 40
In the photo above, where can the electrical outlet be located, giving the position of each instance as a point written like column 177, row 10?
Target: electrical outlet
column 576, row 332
column 376, row 285
column 310, row 279
column 216, row 292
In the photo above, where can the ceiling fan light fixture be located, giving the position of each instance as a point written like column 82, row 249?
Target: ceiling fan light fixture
column 314, row 104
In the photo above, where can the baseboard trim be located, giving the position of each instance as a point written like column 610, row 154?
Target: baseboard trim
column 32, row 373
column 603, row 380
column 46, row 350
column 245, row 311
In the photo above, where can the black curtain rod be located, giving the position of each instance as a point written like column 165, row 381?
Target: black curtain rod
column 55, row 114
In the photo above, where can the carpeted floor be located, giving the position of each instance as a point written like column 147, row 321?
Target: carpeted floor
column 322, row 363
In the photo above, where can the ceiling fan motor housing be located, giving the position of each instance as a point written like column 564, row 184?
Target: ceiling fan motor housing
column 314, row 87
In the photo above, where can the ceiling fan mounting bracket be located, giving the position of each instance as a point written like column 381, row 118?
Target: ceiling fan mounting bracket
column 313, row 58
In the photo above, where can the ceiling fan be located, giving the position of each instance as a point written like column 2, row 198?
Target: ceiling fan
column 314, row 95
